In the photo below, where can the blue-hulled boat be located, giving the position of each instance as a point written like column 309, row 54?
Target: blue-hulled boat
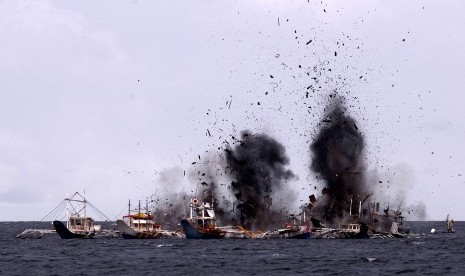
column 201, row 223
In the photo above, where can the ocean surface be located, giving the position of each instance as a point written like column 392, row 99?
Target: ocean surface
column 422, row 254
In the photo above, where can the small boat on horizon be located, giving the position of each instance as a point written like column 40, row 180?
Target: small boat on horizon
column 449, row 225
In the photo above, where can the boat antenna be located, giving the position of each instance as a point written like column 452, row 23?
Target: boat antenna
column 139, row 216
column 350, row 209
column 147, row 212
column 85, row 214
column 67, row 211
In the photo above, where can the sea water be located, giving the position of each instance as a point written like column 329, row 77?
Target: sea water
column 421, row 254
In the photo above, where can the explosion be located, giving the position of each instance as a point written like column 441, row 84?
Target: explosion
column 258, row 168
column 337, row 157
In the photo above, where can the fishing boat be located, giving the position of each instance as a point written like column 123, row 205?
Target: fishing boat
column 77, row 227
column 201, row 223
column 449, row 225
column 78, row 224
column 139, row 224
column 389, row 223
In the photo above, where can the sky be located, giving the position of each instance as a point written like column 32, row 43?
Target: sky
column 117, row 99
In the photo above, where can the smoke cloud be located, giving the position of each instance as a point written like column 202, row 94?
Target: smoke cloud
column 257, row 165
column 167, row 206
column 337, row 157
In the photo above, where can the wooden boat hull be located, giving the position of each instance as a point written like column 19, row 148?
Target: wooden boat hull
column 64, row 233
column 194, row 233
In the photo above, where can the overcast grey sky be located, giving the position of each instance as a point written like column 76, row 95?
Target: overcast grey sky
column 110, row 96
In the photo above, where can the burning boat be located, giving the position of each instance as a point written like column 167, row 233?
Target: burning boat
column 338, row 158
column 292, row 230
column 352, row 230
column 363, row 221
column 201, row 223
column 388, row 223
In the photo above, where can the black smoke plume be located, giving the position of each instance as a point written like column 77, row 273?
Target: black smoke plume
column 337, row 157
column 257, row 165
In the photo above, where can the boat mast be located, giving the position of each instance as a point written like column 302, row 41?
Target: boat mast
column 86, row 222
column 147, row 213
column 138, row 215
column 67, row 211
column 360, row 209
column 85, row 215
column 350, row 209
column 191, row 211
column 204, row 211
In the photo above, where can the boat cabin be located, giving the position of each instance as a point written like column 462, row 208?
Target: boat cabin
column 141, row 219
column 352, row 228
column 78, row 224
column 141, row 222
column 202, row 214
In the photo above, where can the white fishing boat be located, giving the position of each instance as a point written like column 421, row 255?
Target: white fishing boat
column 78, row 224
column 139, row 224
